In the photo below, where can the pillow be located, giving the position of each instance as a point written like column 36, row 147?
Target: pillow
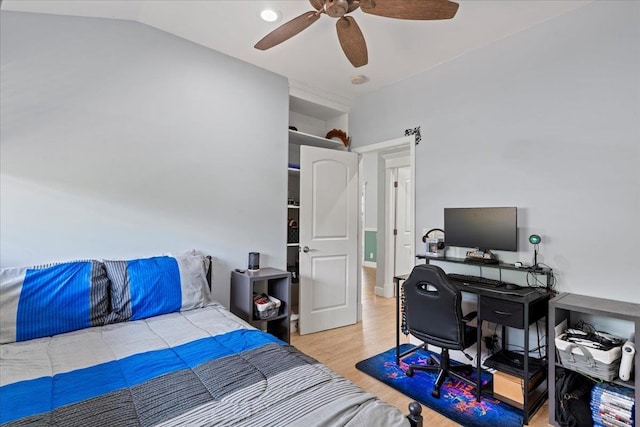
column 147, row 287
column 41, row 301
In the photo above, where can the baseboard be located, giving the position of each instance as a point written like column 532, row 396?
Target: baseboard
column 371, row 264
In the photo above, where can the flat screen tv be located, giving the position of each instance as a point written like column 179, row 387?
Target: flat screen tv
column 485, row 229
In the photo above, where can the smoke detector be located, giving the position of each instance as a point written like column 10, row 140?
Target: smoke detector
column 358, row 79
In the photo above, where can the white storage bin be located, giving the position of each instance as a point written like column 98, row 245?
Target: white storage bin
column 596, row 363
column 266, row 310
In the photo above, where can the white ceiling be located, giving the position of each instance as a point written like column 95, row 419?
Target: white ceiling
column 313, row 60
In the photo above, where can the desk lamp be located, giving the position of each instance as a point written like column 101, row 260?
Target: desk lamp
column 534, row 239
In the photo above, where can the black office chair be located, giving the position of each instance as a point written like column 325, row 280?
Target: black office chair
column 434, row 315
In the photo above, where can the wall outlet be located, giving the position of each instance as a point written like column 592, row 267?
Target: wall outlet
column 370, row 255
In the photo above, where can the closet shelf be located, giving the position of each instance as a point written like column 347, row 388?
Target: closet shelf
column 301, row 138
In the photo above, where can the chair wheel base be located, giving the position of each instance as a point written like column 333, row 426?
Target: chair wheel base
column 436, row 393
column 409, row 372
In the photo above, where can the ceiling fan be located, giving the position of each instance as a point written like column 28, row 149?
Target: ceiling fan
column 349, row 34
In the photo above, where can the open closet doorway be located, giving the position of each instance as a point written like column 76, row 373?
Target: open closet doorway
column 388, row 210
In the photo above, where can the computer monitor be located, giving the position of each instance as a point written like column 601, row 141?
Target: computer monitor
column 485, row 229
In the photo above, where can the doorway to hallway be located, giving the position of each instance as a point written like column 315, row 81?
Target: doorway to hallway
column 384, row 163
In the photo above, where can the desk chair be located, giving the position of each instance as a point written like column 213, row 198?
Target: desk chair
column 434, row 315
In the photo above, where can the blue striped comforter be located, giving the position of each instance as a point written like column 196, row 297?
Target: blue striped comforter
column 199, row 367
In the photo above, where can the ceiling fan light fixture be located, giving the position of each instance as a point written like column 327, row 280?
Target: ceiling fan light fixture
column 270, row 15
column 336, row 8
column 358, row 79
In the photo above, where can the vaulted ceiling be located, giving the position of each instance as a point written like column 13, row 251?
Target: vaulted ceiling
column 313, row 60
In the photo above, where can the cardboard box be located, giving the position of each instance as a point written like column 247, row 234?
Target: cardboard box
column 510, row 387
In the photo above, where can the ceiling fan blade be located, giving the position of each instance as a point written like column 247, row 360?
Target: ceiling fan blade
column 317, row 4
column 352, row 41
column 411, row 9
column 287, row 30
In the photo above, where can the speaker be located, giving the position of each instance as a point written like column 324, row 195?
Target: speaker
column 254, row 261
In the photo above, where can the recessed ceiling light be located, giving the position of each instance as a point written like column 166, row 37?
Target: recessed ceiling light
column 270, row 15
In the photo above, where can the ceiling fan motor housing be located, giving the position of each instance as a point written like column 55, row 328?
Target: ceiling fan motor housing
column 336, row 8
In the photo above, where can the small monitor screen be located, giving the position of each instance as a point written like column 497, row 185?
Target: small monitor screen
column 482, row 228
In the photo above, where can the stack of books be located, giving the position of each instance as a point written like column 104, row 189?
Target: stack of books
column 612, row 405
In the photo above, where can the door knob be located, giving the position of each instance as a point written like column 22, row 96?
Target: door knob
column 305, row 249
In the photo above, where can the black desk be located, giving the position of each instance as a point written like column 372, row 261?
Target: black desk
column 547, row 272
column 517, row 309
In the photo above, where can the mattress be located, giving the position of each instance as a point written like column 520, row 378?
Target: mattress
column 198, row 367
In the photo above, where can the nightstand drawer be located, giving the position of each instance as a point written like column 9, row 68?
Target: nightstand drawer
column 503, row 312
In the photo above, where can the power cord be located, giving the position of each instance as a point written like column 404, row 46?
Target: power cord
column 491, row 343
column 533, row 278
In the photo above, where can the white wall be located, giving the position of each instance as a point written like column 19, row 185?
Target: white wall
column 121, row 141
column 546, row 120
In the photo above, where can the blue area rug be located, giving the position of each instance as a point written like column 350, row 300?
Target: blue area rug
column 457, row 400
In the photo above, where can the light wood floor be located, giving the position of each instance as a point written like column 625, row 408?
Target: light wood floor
column 342, row 348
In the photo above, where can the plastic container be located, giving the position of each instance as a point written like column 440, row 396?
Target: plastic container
column 265, row 306
column 294, row 323
column 596, row 363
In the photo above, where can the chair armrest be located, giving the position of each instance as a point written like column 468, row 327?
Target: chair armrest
column 469, row 316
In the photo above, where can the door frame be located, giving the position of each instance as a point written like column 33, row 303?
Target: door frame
column 392, row 164
column 384, row 278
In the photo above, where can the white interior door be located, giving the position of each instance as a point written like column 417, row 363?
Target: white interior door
column 404, row 260
column 328, row 239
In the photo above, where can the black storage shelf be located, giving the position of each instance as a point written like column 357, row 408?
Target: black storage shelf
column 570, row 307
column 272, row 281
